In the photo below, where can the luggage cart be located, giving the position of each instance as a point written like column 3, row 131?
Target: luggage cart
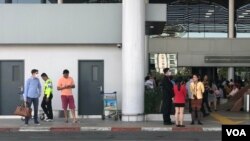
column 110, row 106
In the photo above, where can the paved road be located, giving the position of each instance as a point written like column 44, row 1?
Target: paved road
column 110, row 136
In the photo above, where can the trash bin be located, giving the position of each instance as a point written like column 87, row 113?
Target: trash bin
column 247, row 102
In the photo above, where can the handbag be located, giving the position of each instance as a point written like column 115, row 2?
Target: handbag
column 195, row 97
column 21, row 110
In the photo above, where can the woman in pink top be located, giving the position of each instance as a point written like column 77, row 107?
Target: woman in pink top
column 179, row 102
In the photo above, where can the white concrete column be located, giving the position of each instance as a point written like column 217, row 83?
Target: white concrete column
column 133, row 36
column 231, row 26
column 146, row 60
column 231, row 19
column 230, row 73
column 59, row 1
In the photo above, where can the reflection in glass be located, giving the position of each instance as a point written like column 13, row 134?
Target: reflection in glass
column 15, row 73
column 65, row 1
column 159, row 61
column 243, row 74
column 26, row 1
column 95, row 73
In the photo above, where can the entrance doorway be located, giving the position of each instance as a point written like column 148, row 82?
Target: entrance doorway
column 11, row 83
column 91, row 78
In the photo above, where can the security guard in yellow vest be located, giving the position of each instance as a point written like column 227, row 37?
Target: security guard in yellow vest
column 47, row 98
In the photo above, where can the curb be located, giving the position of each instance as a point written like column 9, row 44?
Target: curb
column 65, row 129
column 212, row 129
column 95, row 129
column 126, row 129
column 156, row 129
column 8, row 129
column 111, row 129
column 34, row 129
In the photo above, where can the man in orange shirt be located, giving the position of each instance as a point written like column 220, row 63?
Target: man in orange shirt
column 65, row 85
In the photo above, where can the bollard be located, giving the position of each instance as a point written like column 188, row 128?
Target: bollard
column 247, row 102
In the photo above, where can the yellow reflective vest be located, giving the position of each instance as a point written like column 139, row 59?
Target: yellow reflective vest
column 48, row 88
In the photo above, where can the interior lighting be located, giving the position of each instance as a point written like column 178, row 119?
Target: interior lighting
column 241, row 16
column 244, row 13
column 209, row 13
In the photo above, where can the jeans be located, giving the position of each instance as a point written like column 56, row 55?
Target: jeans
column 35, row 102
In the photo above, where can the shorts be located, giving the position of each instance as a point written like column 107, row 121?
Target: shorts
column 179, row 104
column 68, row 100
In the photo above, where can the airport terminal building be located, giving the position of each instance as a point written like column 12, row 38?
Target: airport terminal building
column 111, row 45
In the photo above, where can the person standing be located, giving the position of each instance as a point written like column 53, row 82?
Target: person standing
column 179, row 99
column 167, row 90
column 197, row 89
column 65, row 85
column 32, row 92
column 189, row 93
column 205, row 103
column 47, row 98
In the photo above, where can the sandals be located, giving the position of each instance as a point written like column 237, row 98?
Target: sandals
column 75, row 121
column 180, row 125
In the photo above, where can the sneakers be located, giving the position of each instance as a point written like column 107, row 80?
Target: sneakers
column 37, row 123
column 168, row 123
column 200, row 123
column 192, row 123
column 48, row 120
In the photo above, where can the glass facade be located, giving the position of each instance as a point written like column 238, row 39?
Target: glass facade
column 199, row 20
column 242, row 73
column 92, row 1
column 20, row 1
column 55, row 1
column 203, row 19
column 243, row 22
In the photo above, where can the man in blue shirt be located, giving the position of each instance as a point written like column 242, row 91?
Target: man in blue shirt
column 32, row 92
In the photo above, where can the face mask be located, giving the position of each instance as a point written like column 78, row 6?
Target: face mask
column 36, row 75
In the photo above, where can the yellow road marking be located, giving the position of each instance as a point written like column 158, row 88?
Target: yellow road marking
column 223, row 119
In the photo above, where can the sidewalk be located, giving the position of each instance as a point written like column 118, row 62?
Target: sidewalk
column 210, row 123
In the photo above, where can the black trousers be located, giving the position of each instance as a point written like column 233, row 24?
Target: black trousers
column 189, row 106
column 166, row 110
column 205, row 104
column 47, row 106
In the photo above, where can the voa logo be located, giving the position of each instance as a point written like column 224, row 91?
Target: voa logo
column 236, row 132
